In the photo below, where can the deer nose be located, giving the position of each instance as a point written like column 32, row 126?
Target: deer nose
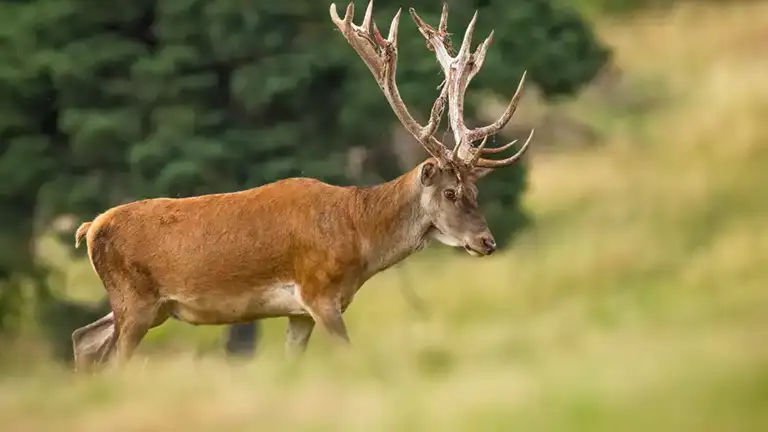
column 489, row 244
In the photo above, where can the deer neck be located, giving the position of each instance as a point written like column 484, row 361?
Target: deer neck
column 392, row 224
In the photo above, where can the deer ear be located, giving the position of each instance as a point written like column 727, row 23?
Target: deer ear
column 477, row 173
column 428, row 173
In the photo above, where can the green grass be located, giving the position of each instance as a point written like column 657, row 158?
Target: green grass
column 639, row 301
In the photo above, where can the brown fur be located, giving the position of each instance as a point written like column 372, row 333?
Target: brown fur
column 297, row 247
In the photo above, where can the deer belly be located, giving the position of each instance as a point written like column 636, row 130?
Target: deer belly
column 261, row 302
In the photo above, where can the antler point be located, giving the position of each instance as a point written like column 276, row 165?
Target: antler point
column 416, row 18
column 474, row 18
column 368, row 17
column 393, row 28
column 350, row 13
column 334, row 13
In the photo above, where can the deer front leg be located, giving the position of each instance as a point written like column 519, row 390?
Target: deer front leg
column 242, row 339
column 326, row 312
column 330, row 320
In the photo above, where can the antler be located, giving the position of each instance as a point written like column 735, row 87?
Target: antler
column 459, row 71
column 380, row 55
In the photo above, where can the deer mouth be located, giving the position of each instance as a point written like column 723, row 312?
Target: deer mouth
column 438, row 234
column 472, row 251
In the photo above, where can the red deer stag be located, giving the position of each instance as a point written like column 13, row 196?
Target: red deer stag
column 298, row 247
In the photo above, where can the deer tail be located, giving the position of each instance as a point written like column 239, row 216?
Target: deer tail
column 81, row 232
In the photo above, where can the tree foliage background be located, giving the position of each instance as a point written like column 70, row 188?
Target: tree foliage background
column 105, row 102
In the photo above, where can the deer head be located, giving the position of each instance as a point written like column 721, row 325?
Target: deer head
column 447, row 179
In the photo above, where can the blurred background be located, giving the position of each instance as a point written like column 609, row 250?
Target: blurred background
column 632, row 289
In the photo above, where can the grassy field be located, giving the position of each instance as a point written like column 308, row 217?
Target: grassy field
column 638, row 302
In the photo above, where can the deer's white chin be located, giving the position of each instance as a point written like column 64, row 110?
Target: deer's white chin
column 472, row 252
column 443, row 238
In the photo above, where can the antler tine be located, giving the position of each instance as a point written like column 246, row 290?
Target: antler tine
column 494, row 150
column 455, row 151
column 499, row 124
column 355, row 35
column 380, row 55
column 443, row 27
column 368, row 16
column 436, row 39
column 478, row 152
column 437, row 112
column 479, row 56
column 465, row 44
column 349, row 13
column 488, row 163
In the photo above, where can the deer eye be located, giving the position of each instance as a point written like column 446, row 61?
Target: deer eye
column 450, row 194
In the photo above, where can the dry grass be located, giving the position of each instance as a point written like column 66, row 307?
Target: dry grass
column 638, row 302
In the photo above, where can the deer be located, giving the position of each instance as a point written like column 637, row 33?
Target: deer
column 298, row 248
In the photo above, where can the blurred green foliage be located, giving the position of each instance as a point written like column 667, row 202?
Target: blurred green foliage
column 103, row 102
column 615, row 6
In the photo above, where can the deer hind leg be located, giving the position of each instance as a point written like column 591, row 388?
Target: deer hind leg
column 137, row 313
column 133, row 325
column 132, row 289
column 136, row 307
column 92, row 344
column 297, row 335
